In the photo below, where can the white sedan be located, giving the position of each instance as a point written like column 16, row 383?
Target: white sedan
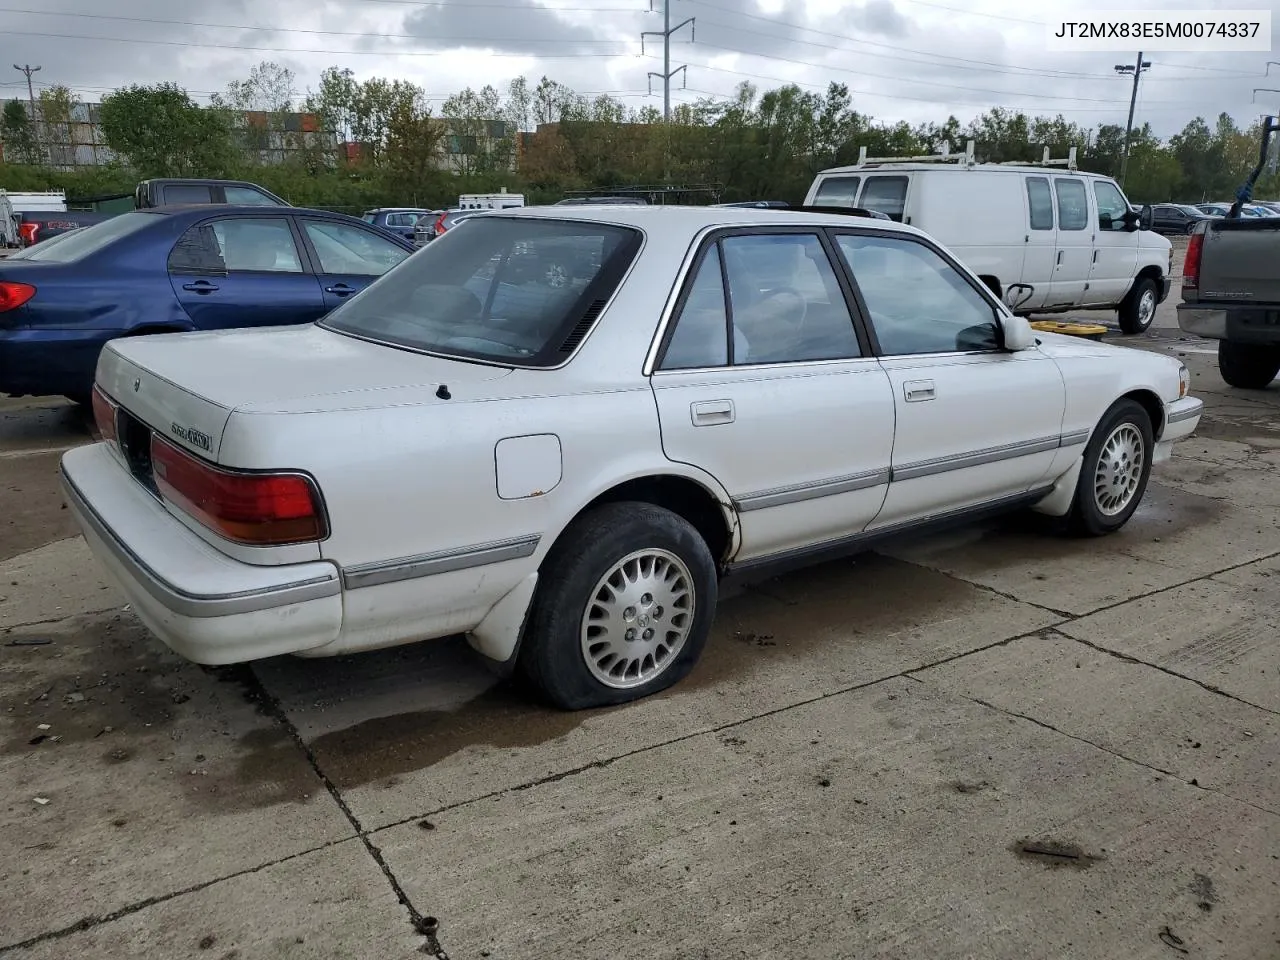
column 558, row 429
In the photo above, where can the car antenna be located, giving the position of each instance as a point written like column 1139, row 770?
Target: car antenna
column 442, row 391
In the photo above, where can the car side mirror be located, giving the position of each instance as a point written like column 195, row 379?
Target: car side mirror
column 1129, row 222
column 1016, row 333
column 1146, row 217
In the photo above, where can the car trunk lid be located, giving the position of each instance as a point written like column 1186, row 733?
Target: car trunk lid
column 185, row 387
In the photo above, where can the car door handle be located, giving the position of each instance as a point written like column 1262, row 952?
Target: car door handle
column 1060, row 258
column 709, row 412
column 1095, row 256
column 200, row 286
column 916, row 390
column 340, row 289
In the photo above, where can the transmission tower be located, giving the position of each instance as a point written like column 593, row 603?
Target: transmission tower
column 667, row 73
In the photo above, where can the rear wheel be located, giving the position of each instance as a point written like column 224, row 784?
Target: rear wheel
column 1117, row 466
column 1249, row 366
column 623, row 608
column 1139, row 307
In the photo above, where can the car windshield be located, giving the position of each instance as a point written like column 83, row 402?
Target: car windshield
column 87, row 240
column 506, row 290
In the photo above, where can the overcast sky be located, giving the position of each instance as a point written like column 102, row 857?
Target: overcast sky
column 902, row 59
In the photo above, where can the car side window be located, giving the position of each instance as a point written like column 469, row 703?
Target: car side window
column 248, row 197
column 1073, row 204
column 1112, row 207
column 197, row 251
column 1040, row 203
column 785, row 302
column 342, row 248
column 257, row 245
column 917, row 301
column 179, row 193
column 887, row 195
column 838, row 192
column 701, row 335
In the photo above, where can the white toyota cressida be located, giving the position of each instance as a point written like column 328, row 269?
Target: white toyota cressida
column 558, row 429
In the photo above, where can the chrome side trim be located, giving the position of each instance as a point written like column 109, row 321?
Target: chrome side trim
column 1191, row 411
column 797, row 492
column 926, row 468
column 442, row 561
column 183, row 602
column 1075, row 437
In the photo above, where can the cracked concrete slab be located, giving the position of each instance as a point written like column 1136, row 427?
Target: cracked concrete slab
column 408, row 731
column 157, row 776
column 325, row 904
column 1174, row 537
column 885, row 822
column 1162, row 721
column 1211, row 631
column 56, row 581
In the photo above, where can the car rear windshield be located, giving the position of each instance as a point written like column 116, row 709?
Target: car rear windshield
column 88, row 240
column 507, row 290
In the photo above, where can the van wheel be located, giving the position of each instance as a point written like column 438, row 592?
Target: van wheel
column 1139, row 307
column 1117, row 466
column 1249, row 366
column 623, row 609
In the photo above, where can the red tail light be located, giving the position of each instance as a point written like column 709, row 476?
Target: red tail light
column 1191, row 265
column 439, row 228
column 28, row 232
column 13, row 295
column 104, row 414
column 258, row 509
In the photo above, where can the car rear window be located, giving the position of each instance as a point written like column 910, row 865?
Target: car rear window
column 88, row 240
column 509, row 290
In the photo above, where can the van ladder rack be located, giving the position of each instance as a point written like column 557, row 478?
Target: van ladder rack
column 944, row 155
column 1069, row 161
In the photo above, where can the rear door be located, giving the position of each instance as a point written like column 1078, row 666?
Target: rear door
column 347, row 257
column 1039, row 262
column 1074, row 253
column 244, row 272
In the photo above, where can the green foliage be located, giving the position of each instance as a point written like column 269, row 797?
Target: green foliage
column 162, row 132
column 19, row 134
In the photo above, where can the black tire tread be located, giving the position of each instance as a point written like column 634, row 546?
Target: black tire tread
column 1248, row 366
column 1084, row 520
column 1127, row 315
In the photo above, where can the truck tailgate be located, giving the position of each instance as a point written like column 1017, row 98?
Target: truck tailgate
column 1239, row 261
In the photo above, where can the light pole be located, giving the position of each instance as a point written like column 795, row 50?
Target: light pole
column 1136, row 69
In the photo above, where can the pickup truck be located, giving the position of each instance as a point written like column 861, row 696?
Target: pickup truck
column 1231, row 288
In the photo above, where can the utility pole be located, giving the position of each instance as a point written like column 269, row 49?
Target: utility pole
column 667, row 73
column 1123, row 69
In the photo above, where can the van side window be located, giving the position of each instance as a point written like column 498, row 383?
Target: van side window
column 1040, row 201
column 1112, row 208
column 1073, row 204
column 838, row 192
column 888, row 195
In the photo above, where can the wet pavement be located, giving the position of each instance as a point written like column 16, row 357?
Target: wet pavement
column 993, row 743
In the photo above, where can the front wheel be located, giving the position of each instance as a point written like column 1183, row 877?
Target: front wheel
column 623, row 609
column 1117, row 466
column 1249, row 366
column 1139, row 307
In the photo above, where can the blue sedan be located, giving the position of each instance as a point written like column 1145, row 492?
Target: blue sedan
column 174, row 269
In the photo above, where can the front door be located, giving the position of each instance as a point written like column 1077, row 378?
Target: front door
column 347, row 257
column 975, row 423
column 243, row 272
column 1074, row 253
column 1115, row 249
column 764, row 383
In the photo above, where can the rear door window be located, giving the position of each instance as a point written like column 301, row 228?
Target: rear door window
column 838, row 192
column 887, row 195
column 188, row 193
column 1040, row 203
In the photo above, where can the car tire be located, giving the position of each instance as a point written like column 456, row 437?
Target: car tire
column 1116, row 468
column 1249, row 366
column 668, row 582
column 1139, row 308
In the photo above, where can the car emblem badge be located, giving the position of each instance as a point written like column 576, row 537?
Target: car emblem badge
column 137, row 385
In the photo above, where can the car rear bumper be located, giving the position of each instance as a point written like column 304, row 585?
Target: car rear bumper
column 203, row 604
column 1241, row 324
column 43, row 363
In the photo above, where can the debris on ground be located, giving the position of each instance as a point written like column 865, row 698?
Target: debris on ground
column 43, row 801
column 29, row 642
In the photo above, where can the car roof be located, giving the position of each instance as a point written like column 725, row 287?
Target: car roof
column 691, row 219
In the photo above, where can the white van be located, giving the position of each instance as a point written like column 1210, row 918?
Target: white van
column 1045, row 240
column 490, row 201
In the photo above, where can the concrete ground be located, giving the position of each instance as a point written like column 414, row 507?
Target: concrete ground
column 994, row 744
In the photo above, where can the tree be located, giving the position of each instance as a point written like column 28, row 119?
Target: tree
column 269, row 88
column 474, row 144
column 56, row 104
column 19, row 135
column 414, row 137
column 161, row 132
column 336, row 101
